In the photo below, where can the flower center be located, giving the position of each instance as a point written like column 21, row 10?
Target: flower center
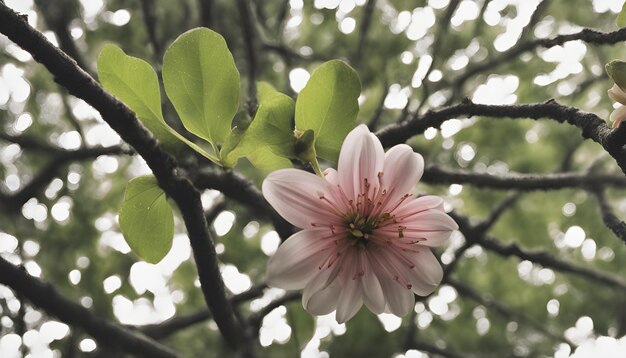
column 360, row 228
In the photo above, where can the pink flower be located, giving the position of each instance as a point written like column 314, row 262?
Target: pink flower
column 619, row 114
column 365, row 239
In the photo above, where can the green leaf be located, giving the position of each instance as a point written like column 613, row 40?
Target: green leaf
column 269, row 137
column 134, row 82
column 621, row 17
column 328, row 105
column 201, row 80
column 146, row 219
column 266, row 161
column 617, row 71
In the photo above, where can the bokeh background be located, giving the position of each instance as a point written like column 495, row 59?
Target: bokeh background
column 411, row 56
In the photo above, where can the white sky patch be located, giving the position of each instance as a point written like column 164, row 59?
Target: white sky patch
column 224, row 222
column 390, row 322
column 30, row 248
column 603, row 346
column 12, row 182
column 602, row 6
column 74, row 276
column 525, row 9
column 23, row 122
column 251, row 229
column 497, row 90
column 118, row 18
column 14, row 81
column 105, row 164
column 397, row 97
column 270, row 242
column 568, row 61
column 275, row 327
column 10, row 153
column 61, row 209
column 400, row 22
column 451, row 127
column 422, row 69
column 53, row 331
column 179, row 253
column 298, row 77
column 114, row 240
column 235, row 281
column 347, row 25
column 8, row 243
column 424, row 319
column 581, row 331
column 69, row 140
column 269, row 295
column 574, row 236
column 91, row 8
column 33, row 210
column 553, row 307
column 588, row 249
column 422, row 19
column 468, row 10
column 112, row 284
column 87, row 345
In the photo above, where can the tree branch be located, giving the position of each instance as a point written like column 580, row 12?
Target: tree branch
column 57, row 16
column 539, row 257
column 504, row 311
column 610, row 220
column 177, row 323
column 592, row 126
column 366, row 20
column 50, row 300
column 13, row 201
column 243, row 191
column 431, row 348
column 585, row 35
column 164, row 167
column 149, row 20
column 517, row 181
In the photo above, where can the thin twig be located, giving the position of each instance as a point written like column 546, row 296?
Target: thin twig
column 610, row 220
column 51, row 301
column 249, row 36
column 505, row 311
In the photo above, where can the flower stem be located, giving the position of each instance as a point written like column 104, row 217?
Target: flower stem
column 316, row 166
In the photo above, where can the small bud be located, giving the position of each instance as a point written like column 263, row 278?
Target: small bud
column 616, row 69
column 242, row 120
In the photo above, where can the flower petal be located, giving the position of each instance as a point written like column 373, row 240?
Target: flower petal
column 427, row 273
column 402, row 170
column 298, row 259
column 617, row 116
column 350, row 300
column 399, row 299
column 295, row 194
column 417, row 205
column 331, row 177
column 373, row 295
column 322, row 279
column 430, row 220
column 433, row 225
column 323, row 302
column 361, row 157
column 617, row 94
